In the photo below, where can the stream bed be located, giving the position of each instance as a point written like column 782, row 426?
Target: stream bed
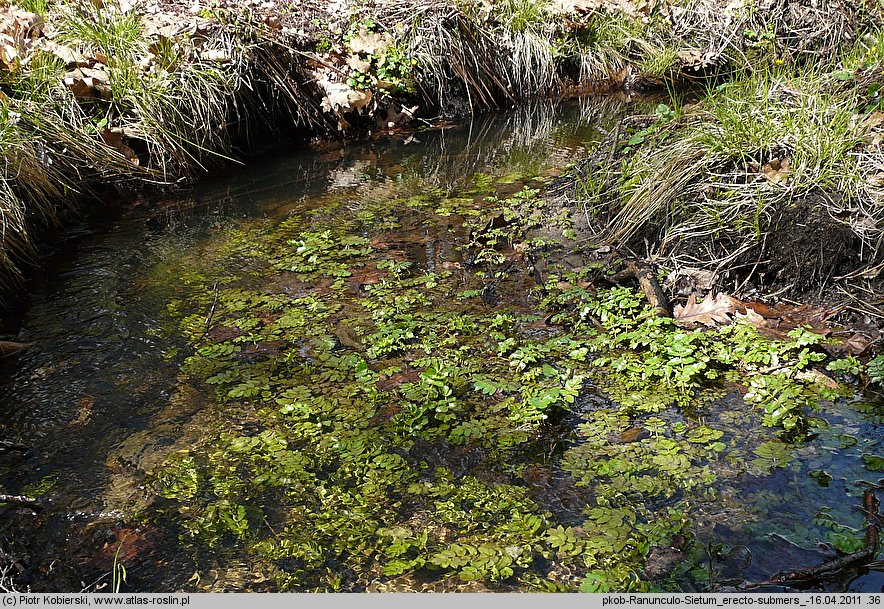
column 339, row 370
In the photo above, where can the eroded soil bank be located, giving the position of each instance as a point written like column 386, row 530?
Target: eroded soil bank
column 376, row 369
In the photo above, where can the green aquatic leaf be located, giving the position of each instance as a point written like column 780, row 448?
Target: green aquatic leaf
column 874, row 463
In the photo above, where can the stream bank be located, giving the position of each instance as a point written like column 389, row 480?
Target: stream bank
column 134, row 97
column 412, row 347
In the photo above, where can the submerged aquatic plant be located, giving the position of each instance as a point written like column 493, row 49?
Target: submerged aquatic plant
column 383, row 427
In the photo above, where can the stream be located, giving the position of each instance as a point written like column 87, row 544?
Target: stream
column 330, row 370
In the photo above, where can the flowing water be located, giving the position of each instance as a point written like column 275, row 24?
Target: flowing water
column 289, row 380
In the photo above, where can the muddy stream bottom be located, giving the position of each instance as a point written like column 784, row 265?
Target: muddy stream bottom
column 336, row 370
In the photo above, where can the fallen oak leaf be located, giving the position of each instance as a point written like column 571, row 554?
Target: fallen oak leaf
column 712, row 312
column 686, row 280
column 564, row 7
column 359, row 64
column 370, row 43
column 815, row 376
column 70, row 57
column 805, row 316
column 752, row 317
column 84, row 81
column 340, row 97
column 9, row 58
column 22, row 26
column 857, row 342
column 696, row 59
column 777, row 322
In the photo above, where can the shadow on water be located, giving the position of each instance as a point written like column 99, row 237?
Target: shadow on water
column 100, row 398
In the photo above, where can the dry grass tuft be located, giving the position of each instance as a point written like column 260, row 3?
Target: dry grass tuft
column 759, row 160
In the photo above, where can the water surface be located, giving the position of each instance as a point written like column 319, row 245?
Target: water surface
column 112, row 400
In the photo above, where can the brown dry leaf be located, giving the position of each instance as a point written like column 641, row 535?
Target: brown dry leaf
column 8, row 55
column 84, row 410
column 358, row 64
column 815, row 376
column 661, row 562
column 114, row 139
column 777, row 322
column 806, row 316
column 858, row 343
column 216, row 55
column 85, row 81
column 69, row 56
column 20, row 25
column 633, row 8
column 756, row 319
column 633, row 434
column 161, row 25
column 776, row 171
column 340, row 97
column 389, row 383
column 368, row 275
column 394, row 119
column 371, row 43
column 713, row 311
column 582, row 284
column 762, row 309
column 874, row 119
column 126, row 544
column 686, row 280
column 697, row 59
column 564, row 7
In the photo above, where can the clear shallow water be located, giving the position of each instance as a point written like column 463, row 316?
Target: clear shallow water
column 101, row 400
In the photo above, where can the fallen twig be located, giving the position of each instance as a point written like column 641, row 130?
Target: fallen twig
column 8, row 347
column 647, row 280
column 211, row 314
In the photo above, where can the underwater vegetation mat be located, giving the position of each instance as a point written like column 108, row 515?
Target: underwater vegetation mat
column 384, row 426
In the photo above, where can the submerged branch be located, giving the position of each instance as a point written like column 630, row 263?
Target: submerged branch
column 10, row 348
column 859, row 559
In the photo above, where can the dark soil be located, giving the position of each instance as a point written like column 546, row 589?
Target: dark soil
column 804, row 252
